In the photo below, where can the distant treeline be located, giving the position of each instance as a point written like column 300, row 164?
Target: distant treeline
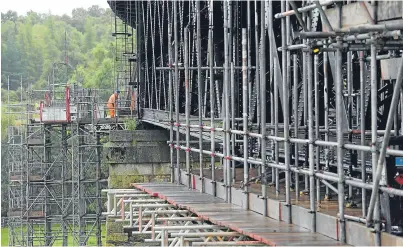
column 31, row 43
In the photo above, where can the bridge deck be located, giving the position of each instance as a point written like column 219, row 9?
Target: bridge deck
column 254, row 225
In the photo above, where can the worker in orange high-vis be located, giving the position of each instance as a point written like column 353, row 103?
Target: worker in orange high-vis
column 112, row 103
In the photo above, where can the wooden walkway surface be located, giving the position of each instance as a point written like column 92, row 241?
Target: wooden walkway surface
column 269, row 231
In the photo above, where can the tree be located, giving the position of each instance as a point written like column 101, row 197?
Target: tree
column 89, row 36
column 31, row 43
column 9, row 16
column 79, row 15
column 95, row 11
column 10, row 52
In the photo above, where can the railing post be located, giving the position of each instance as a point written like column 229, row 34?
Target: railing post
column 122, row 208
column 140, row 218
column 131, row 214
column 109, row 205
column 164, row 237
column 115, row 213
column 152, row 226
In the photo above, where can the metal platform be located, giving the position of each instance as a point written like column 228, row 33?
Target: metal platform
column 326, row 206
column 254, row 225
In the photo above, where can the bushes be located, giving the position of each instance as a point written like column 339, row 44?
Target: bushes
column 131, row 124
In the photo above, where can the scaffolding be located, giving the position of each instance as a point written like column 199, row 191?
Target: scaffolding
column 54, row 160
column 47, row 189
column 17, row 190
column 159, row 222
column 299, row 101
column 125, row 59
column 86, row 184
column 16, row 162
column 304, row 95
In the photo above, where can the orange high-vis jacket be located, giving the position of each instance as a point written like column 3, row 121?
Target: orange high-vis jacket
column 111, row 101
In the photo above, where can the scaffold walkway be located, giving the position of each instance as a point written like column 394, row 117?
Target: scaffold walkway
column 251, row 224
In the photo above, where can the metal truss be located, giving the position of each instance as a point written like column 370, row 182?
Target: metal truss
column 164, row 223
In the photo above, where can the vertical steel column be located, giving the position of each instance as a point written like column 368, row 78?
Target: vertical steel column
column 263, row 97
column 139, row 59
column 64, row 185
column 177, row 107
column 153, row 63
column 233, row 136
column 276, row 120
column 98, row 190
column 317, row 137
column 305, row 94
column 187, row 104
column 276, row 108
column 340, row 140
column 311, row 143
column 226, row 146
column 29, row 189
column 326, row 104
column 229, row 105
column 362, row 123
column 47, row 160
column 245, row 102
column 374, row 129
column 212, row 99
column 285, row 27
column 271, row 83
column 350, row 111
column 257, row 70
column 170, row 89
column 231, row 52
column 296, row 122
column 81, row 187
column 227, row 102
column 199, row 92
column 250, row 80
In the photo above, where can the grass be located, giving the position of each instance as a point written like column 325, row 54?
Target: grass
column 92, row 241
column 4, row 236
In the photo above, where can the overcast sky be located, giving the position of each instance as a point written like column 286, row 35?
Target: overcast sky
column 56, row 7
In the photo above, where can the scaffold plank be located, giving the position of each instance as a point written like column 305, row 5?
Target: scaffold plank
column 266, row 230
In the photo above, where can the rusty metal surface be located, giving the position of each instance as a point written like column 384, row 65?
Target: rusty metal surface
column 254, row 225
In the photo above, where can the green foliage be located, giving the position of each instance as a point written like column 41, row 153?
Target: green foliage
column 4, row 236
column 104, row 139
column 131, row 124
column 4, row 180
column 6, row 120
column 92, row 241
column 123, row 181
column 31, row 44
column 114, row 232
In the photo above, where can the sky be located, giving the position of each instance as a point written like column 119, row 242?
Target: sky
column 56, row 7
